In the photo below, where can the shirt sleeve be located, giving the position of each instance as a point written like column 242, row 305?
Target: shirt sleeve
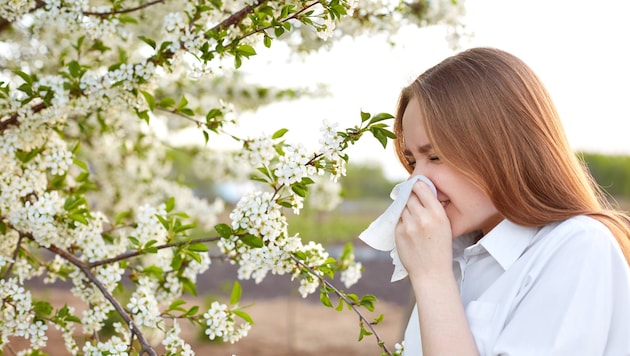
column 576, row 299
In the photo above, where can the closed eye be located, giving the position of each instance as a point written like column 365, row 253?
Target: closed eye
column 411, row 161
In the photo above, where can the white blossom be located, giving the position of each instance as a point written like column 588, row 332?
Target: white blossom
column 220, row 323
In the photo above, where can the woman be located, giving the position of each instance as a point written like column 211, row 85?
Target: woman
column 519, row 254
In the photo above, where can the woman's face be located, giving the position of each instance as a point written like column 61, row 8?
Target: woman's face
column 467, row 207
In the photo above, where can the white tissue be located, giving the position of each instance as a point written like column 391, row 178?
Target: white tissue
column 380, row 234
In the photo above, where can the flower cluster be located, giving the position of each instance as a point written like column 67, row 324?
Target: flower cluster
column 40, row 218
column 174, row 344
column 221, row 323
column 143, row 305
column 332, row 148
column 114, row 347
column 258, row 151
column 294, row 165
column 10, row 10
column 351, row 274
column 16, row 316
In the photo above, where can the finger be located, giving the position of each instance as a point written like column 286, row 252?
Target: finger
column 425, row 195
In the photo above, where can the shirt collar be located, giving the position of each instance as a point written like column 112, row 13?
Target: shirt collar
column 507, row 242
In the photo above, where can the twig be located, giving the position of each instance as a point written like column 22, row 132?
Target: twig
column 351, row 303
column 13, row 119
column 15, row 254
column 123, row 11
column 128, row 255
column 146, row 348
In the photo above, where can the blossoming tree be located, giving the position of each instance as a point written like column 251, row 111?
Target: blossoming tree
column 90, row 92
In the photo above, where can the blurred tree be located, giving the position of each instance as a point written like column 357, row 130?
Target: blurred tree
column 612, row 172
column 365, row 180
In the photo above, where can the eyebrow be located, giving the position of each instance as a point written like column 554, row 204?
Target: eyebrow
column 425, row 148
column 422, row 149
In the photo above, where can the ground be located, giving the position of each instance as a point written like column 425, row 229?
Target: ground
column 286, row 324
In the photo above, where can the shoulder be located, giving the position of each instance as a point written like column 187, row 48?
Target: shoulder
column 578, row 229
column 579, row 237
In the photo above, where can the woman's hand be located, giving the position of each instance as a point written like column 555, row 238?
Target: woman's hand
column 424, row 243
column 423, row 235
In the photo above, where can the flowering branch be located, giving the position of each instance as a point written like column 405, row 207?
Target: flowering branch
column 351, row 303
column 146, row 348
column 129, row 255
column 124, row 11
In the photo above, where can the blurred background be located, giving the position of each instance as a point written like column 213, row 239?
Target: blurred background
column 578, row 48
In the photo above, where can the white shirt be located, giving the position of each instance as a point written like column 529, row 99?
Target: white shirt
column 563, row 289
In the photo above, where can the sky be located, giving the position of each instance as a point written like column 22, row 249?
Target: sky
column 580, row 49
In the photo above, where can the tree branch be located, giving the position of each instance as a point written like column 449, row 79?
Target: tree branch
column 342, row 295
column 13, row 119
column 15, row 254
column 146, row 348
column 128, row 255
column 123, row 11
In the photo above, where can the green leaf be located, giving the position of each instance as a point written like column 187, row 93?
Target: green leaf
column 198, row 247
column 245, row 50
column 25, row 157
column 325, row 299
column 25, row 77
column 364, row 116
column 163, row 221
column 213, row 113
column 154, row 271
column 176, row 305
column 224, row 230
column 80, row 218
column 363, row 332
column 149, row 98
column 182, row 228
column 148, row 41
column 378, row 319
column 382, row 135
column 170, row 204
column 134, row 241
column 241, row 314
column 367, row 302
column 279, row 133
column 121, row 216
column 182, row 103
column 167, row 102
column 267, row 41
column 127, row 19
column 42, row 308
column 75, row 69
column 80, row 164
column 237, row 291
column 252, row 241
column 176, row 262
column 299, row 189
column 192, row 311
column 189, row 286
column 380, row 117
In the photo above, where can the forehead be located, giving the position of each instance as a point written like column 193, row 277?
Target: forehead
column 413, row 127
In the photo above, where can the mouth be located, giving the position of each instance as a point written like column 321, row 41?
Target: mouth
column 445, row 203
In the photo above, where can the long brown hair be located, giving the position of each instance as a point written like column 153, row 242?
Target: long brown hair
column 488, row 115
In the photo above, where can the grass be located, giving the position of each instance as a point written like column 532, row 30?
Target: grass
column 340, row 225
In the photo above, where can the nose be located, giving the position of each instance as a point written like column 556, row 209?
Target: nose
column 420, row 169
column 424, row 170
